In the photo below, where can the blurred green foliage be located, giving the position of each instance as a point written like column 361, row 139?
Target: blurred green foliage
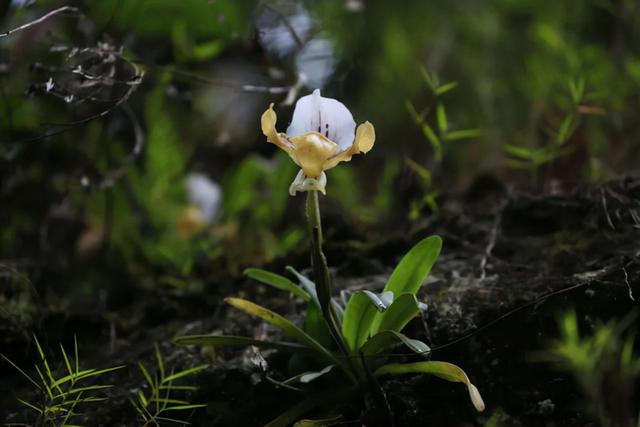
column 553, row 87
column 604, row 363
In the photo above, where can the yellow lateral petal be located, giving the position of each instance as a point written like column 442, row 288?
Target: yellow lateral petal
column 365, row 137
column 268, row 124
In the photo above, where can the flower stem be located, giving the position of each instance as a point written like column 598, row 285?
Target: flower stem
column 322, row 278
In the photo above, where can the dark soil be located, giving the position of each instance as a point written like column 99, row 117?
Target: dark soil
column 511, row 264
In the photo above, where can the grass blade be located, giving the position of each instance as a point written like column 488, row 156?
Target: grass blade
column 147, row 376
column 30, row 405
column 24, row 374
column 184, row 373
column 66, row 360
column 185, row 407
column 159, row 361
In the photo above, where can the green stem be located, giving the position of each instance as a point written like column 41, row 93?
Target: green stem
column 321, row 274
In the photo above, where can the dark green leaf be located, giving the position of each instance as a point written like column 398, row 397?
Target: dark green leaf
column 388, row 339
column 316, row 326
column 395, row 318
column 414, row 267
column 358, row 315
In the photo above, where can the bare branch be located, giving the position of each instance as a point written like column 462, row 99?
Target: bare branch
column 249, row 88
column 43, row 18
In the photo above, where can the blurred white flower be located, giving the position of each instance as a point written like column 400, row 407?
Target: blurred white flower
column 316, row 62
column 22, row 3
column 354, row 5
column 285, row 29
column 205, row 194
column 281, row 33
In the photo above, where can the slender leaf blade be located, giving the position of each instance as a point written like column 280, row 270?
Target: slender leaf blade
column 456, row 135
column 277, row 281
column 24, row 374
column 185, row 373
column 521, row 152
column 307, row 377
column 444, row 370
column 277, row 320
column 388, row 339
column 433, row 140
column 159, row 361
column 66, row 359
column 441, row 114
column 305, row 282
column 447, row 87
column 186, row 407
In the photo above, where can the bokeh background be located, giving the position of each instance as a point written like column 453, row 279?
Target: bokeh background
column 131, row 153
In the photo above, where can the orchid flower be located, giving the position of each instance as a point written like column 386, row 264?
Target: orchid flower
column 322, row 134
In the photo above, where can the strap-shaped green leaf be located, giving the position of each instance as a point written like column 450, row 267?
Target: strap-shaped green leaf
column 316, row 326
column 388, row 339
column 414, row 267
column 404, row 308
column 231, row 340
column 358, row 316
column 444, row 370
column 287, row 327
column 277, row 281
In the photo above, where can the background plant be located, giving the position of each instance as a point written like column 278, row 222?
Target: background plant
column 160, row 402
column 605, row 363
column 62, row 393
